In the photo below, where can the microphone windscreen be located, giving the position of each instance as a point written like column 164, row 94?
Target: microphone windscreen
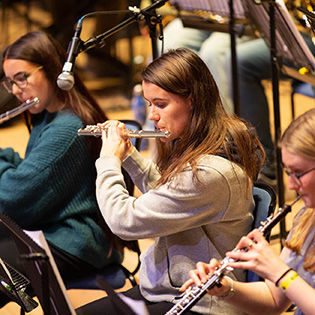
column 65, row 81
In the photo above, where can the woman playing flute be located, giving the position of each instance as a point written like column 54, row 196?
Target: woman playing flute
column 290, row 276
column 197, row 198
column 53, row 188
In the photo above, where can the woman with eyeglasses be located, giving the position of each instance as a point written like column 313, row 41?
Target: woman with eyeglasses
column 290, row 277
column 53, row 188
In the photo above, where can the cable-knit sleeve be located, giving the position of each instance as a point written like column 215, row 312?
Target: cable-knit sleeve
column 8, row 158
column 33, row 189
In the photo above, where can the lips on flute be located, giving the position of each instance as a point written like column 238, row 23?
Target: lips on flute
column 94, row 130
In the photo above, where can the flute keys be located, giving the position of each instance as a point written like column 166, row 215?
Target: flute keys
column 91, row 130
column 94, row 128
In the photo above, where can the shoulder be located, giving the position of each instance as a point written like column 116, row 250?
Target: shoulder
column 57, row 131
column 213, row 171
column 66, row 119
column 64, row 124
column 221, row 175
column 218, row 164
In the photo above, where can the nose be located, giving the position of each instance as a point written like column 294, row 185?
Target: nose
column 15, row 89
column 293, row 184
column 153, row 115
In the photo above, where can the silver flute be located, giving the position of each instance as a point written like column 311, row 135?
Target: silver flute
column 94, row 130
column 194, row 293
column 18, row 110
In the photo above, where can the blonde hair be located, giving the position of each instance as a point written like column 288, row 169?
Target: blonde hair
column 299, row 138
column 303, row 226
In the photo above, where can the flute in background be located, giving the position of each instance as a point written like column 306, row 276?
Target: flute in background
column 18, row 110
column 194, row 293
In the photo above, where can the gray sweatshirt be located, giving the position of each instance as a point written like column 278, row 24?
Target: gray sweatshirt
column 190, row 222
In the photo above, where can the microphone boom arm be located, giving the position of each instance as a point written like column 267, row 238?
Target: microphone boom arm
column 138, row 15
column 75, row 46
column 65, row 80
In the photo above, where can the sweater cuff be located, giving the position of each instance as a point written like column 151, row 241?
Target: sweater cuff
column 134, row 163
column 133, row 149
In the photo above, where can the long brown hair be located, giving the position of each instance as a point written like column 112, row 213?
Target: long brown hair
column 211, row 129
column 299, row 138
column 41, row 49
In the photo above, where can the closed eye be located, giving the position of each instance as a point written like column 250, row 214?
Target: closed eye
column 160, row 105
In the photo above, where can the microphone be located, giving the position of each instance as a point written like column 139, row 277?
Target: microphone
column 65, row 80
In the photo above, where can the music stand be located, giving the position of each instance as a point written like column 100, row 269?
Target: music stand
column 310, row 17
column 275, row 25
column 290, row 45
column 13, row 284
column 40, row 268
column 219, row 8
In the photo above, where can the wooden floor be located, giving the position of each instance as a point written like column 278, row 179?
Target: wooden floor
column 15, row 135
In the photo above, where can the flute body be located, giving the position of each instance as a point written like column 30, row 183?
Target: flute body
column 93, row 130
column 18, row 110
column 193, row 294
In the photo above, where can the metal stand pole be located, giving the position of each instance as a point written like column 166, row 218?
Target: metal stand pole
column 236, row 97
column 276, row 107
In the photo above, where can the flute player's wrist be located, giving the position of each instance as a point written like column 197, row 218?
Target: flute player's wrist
column 130, row 150
column 276, row 274
column 227, row 288
column 123, row 154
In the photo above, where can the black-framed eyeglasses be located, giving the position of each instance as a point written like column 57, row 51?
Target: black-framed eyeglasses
column 19, row 79
column 296, row 175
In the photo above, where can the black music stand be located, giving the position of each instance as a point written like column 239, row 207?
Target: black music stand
column 13, row 284
column 310, row 17
column 221, row 13
column 290, row 45
column 275, row 25
column 41, row 270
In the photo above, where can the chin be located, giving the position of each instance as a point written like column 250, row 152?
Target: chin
column 165, row 139
column 35, row 112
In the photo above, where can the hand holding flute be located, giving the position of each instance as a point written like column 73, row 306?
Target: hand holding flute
column 112, row 128
column 97, row 130
column 115, row 142
column 258, row 257
column 209, row 278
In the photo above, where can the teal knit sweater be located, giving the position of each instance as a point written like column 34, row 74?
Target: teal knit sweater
column 52, row 189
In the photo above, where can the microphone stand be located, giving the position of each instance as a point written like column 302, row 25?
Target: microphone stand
column 236, row 96
column 276, row 108
column 148, row 13
column 152, row 20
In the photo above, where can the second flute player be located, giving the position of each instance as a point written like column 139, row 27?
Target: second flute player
column 53, row 187
column 197, row 199
column 290, row 277
column 195, row 293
